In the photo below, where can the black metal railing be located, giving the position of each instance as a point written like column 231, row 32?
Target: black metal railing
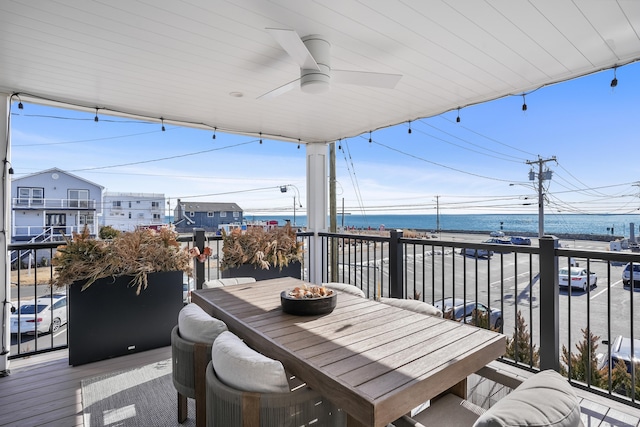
column 542, row 321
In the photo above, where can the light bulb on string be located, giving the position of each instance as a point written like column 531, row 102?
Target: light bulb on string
column 458, row 118
column 409, row 131
column 614, row 82
column 260, row 137
column 524, row 103
column 369, row 137
column 214, row 133
column 340, row 145
column 162, row 121
column 20, row 106
column 96, row 119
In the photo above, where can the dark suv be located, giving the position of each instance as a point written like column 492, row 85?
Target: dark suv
column 626, row 274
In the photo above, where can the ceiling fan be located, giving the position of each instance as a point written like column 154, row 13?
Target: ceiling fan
column 313, row 54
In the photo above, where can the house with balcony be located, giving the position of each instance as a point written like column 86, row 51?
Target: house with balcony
column 126, row 211
column 210, row 216
column 47, row 204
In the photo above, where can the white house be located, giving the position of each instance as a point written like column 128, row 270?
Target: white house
column 126, row 211
column 51, row 202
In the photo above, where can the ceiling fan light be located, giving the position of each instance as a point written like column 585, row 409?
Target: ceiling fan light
column 315, row 83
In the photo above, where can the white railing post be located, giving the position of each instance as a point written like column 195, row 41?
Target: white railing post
column 5, row 261
column 317, row 205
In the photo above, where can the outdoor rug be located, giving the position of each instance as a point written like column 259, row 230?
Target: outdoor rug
column 142, row 396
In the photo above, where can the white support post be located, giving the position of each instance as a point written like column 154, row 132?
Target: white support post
column 317, row 205
column 5, row 262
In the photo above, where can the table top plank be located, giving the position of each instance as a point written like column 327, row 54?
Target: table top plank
column 373, row 360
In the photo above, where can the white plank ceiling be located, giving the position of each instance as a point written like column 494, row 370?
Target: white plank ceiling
column 184, row 60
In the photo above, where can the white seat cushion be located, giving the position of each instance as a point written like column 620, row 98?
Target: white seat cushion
column 239, row 366
column 196, row 325
column 344, row 287
column 413, row 305
column 218, row 283
column 545, row 399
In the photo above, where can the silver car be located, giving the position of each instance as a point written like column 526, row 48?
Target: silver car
column 463, row 311
column 626, row 274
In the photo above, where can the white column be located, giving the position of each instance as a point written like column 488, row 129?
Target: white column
column 5, row 270
column 317, row 205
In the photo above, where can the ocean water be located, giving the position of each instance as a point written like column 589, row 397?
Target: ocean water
column 617, row 225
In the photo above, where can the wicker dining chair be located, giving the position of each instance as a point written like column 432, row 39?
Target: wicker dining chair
column 269, row 397
column 191, row 342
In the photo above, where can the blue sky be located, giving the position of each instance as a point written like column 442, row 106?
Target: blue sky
column 591, row 128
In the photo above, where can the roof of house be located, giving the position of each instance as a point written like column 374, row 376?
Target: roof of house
column 210, row 207
column 58, row 171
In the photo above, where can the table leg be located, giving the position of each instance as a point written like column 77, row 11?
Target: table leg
column 352, row 422
column 459, row 389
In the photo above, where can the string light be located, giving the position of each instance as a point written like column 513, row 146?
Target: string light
column 162, row 121
column 369, row 136
column 298, row 143
column 458, row 118
column 524, row 103
column 214, row 133
column 340, row 144
column 260, row 137
column 96, row 119
column 20, row 106
column 409, row 131
column 614, row 82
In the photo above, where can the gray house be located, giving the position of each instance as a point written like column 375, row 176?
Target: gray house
column 209, row 216
column 51, row 202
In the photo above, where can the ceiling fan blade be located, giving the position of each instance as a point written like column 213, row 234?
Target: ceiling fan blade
column 280, row 90
column 293, row 45
column 364, row 78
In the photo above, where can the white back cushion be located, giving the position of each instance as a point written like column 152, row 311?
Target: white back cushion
column 413, row 305
column 240, row 367
column 545, row 399
column 345, row 287
column 196, row 325
column 218, row 283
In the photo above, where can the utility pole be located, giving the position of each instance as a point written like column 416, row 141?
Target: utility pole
column 438, row 214
column 541, row 177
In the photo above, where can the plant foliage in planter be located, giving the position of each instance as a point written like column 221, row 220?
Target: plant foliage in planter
column 264, row 249
column 136, row 253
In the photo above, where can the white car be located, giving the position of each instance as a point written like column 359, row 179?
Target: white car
column 577, row 277
column 496, row 234
column 45, row 314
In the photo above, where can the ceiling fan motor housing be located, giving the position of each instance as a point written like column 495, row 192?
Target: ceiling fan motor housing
column 312, row 80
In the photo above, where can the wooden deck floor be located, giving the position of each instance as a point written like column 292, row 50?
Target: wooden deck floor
column 44, row 390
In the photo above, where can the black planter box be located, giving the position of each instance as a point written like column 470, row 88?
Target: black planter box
column 294, row 269
column 108, row 319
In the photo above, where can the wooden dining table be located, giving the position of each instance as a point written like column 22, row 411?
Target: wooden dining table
column 375, row 361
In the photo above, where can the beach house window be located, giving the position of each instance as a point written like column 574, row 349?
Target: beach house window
column 155, row 205
column 116, row 204
column 192, row 213
column 78, row 198
column 223, row 214
column 30, row 196
column 156, row 217
column 236, row 214
column 209, row 214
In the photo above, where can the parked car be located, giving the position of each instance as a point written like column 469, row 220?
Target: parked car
column 577, row 277
column 463, row 311
column 187, row 287
column 476, row 253
column 45, row 314
column 499, row 241
column 620, row 350
column 496, row 234
column 626, row 274
column 517, row 240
